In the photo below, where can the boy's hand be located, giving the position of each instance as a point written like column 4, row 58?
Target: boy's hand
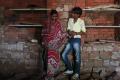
column 72, row 33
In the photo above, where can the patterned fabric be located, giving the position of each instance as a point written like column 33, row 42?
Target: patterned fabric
column 54, row 35
column 53, row 62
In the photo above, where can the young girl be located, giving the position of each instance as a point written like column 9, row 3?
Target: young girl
column 53, row 39
column 55, row 34
column 75, row 28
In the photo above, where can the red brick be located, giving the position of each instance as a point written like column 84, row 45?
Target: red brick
column 89, row 3
column 98, row 63
column 105, row 55
column 85, row 55
column 80, row 3
column 94, row 55
column 103, row 1
column 11, row 35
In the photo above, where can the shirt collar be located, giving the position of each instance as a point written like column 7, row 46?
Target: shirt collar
column 76, row 21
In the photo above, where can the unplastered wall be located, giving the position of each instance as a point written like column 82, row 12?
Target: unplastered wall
column 18, row 55
column 101, row 55
column 94, row 18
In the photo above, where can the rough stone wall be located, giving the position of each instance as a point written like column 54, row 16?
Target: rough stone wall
column 101, row 54
column 91, row 18
column 17, row 50
column 19, row 55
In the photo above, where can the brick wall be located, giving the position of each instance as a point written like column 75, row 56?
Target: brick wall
column 21, row 3
column 101, row 55
column 91, row 18
column 98, row 19
column 19, row 56
column 98, row 54
column 94, row 34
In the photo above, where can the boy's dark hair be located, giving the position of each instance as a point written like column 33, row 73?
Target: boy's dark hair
column 53, row 12
column 77, row 10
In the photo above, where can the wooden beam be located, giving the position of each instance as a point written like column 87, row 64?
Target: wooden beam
column 30, row 9
column 102, row 26
column 111, row 7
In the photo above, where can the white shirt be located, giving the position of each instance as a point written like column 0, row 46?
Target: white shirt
column 78, row 26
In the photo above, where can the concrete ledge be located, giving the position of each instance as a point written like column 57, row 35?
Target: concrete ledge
column 102, row 26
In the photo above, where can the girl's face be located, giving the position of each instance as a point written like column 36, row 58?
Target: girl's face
column 54, row 17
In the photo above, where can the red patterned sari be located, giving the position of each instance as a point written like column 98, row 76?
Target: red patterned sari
column 54, row 38
column 55, row 35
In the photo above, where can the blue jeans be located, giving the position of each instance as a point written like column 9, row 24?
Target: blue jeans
column 73, row 44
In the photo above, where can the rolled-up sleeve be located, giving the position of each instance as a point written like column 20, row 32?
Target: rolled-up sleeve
column 68, row 28
column 83, row 29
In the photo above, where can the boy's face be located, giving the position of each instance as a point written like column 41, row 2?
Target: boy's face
column 75, row 16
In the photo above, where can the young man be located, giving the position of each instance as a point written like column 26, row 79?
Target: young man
column 76, row 27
